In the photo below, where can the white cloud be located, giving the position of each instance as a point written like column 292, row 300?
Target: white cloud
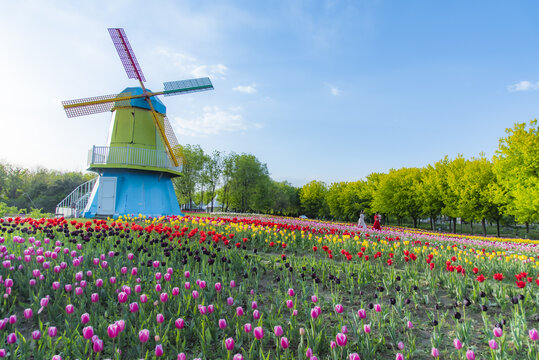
column 249, row 89
column 523, row 86
column 213, row 121
column 190, row 65
column 335, row 91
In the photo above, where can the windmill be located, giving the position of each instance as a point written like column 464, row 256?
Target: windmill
column 136, row 168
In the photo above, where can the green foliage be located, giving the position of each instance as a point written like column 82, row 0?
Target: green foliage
column 37, row 189
column 516, row 166
column 313, row 199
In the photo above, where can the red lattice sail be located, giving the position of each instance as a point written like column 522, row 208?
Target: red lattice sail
column 132, row 68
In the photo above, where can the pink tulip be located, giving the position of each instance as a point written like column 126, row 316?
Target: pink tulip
column 362, row 313
column 409, row 325
column 121, row 325
column 222, row 324
column 176, row 291
column 98, row 345
column 158, row 287
column 339, row 309
column 254, row 305
column 28, row 313
column 55, row 285
column 289, row 304
column 377, row 307
column 160, row 318
column 354, row 356
column 44, row 302
column 238, row 357
column 498, row 332
column 159, row 350
column 294, row 312
column 278, row 330
column 493, row 344
column 457, row 344
column 218, row 287
column 285, row 343
column 309, row 353
column 56, row 357
column 70, row 308
column 133, row 307
column 36, row 335
column 239, row 311
column 314, row 313
column 434, row 352
column 534, row 336
column 291, row 292
column 182, row 356
column 3, row 353
column 341, row 339
column 247, row 327
column 230, row 301
column 232, row 284
column 470, row 355
column 367, row 328
column 195, row 294
column 229, row 344
column 202, row 309
column 344, row 329
column 11, row 338
column 256, row 314
column 113, row 330
column 158, row 276
column 88, row 332
column 332, row 344
column 400, row 345
column 52, row 331
column 179, row 323
column 314, row 298
column 399, row 356
column 144, row 335
column 258, row 332
column 163, row 297
column 143, row 298
column 99, row 282
column 187, row 274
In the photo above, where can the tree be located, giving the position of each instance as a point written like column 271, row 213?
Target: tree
column 430, row 193
column 473, row 191
column 193, row 163
column 312, row 198
column 285, row 198
column 516, row 166
column 211, row 174
column 248, row 183
column 452, row 172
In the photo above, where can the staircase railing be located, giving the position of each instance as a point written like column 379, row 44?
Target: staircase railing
column 73, row 205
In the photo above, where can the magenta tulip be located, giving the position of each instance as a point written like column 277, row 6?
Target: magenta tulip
column 88, row 332
column 85, row 318
column 179, row 323
column 159, row 350
column 144, row 335
column 258, row 332
column 284, row 343
column 341, row 339
column 229, row 344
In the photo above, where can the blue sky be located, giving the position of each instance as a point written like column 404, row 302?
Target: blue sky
column 317, row 90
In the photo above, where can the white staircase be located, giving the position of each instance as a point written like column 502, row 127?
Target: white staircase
column 74, row 203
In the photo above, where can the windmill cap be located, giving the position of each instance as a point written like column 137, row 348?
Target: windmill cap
column 142, row 103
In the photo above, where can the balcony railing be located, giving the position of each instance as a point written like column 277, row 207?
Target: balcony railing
column 106, row 155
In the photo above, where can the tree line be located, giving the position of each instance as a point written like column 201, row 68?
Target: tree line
column 23, row 189
column 474, row 190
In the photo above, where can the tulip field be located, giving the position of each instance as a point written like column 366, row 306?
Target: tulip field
column 197, row 287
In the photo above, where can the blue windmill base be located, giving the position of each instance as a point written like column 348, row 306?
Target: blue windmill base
column 120, row 192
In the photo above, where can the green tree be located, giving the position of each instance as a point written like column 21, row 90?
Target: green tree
column 193, row 163
column 516, row 166
column 312, row 198
column 211, row 173
column 248, row 184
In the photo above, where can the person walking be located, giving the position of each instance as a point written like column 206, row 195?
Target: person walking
column 376, row 225
column 361, row 221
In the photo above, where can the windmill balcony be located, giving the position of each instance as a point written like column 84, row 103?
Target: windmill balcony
column 130, row 157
